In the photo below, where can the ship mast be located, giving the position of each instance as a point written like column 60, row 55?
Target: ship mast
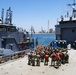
column 73, row 7
column 8, row 19
column 2, row 15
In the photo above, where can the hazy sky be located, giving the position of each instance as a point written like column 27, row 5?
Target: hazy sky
column 36, row 13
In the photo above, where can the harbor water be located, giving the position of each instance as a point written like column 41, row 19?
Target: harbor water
column 43, row 38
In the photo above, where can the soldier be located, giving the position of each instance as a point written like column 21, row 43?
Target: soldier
column 57, row 62
column 63, row 58
column 33, row 59
column 53, row 56
column 30, row 58
column 46, row 59
column 60, row 57
column 42, row 55
column 38, row 60
column 46, row 52
column 66, row 57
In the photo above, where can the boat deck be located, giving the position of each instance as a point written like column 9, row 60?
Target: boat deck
column 20, row 67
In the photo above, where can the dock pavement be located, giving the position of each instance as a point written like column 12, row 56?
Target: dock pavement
column 20, row 67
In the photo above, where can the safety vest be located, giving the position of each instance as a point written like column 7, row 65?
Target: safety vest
column 57, row 57
column 53, row 55
column 60, row 54
column 46, row 57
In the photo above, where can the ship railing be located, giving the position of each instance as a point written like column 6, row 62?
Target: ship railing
column 21, row 29
column 13, row 56
column 66, row 19
column 73, row 18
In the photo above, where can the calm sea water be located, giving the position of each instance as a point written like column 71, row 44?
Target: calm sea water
column 44, row 38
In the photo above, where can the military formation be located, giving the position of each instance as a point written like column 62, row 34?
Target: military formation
column 57, row 56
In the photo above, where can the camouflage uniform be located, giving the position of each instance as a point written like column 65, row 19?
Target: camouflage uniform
column 33, row 59
column 30, row 59
column 38, row 60
column 42, row 55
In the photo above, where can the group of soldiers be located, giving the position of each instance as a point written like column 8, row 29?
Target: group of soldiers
column 57, row 56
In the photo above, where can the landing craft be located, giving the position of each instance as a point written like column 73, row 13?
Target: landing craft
column 13, row 40
column 66, row 27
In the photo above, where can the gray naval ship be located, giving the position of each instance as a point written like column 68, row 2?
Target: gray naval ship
column 13, row 39
column 66, row 27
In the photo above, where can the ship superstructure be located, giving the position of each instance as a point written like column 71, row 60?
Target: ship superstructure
column 12, row 37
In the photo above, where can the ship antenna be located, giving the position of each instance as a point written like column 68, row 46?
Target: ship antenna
column 6, row 22
column 9, row 16
column 31, row 30
column 73, row 7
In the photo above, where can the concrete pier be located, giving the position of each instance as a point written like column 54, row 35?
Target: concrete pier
column 20, row 67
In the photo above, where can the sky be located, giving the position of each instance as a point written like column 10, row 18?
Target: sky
column 36, row 13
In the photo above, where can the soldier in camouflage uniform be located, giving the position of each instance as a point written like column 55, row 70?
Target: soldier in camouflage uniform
column 30, row 58
column 42, row 55
column 38, row 60
column 33, row 59
column 46, row 59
